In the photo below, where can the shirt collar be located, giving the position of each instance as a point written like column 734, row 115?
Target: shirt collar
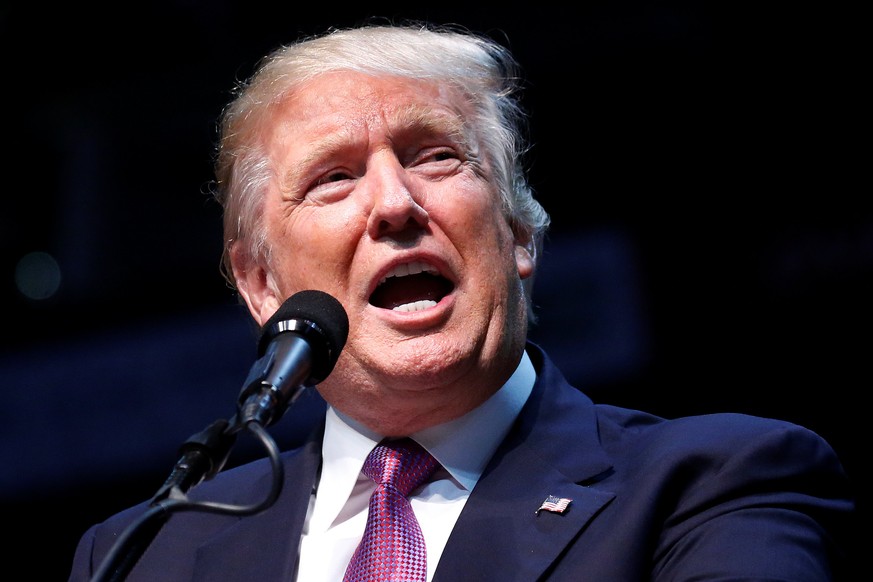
column 462, row 446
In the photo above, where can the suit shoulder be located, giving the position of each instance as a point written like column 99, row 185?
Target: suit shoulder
column 719, row 425
column 713, row 442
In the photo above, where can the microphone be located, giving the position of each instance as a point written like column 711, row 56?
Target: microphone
column 298, row 348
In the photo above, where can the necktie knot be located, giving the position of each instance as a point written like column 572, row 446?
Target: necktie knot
column 402, row 463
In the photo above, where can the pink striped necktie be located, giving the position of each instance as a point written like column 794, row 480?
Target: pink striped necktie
column 392, row 549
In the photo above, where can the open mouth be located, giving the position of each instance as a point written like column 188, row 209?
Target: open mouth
column 411, row 287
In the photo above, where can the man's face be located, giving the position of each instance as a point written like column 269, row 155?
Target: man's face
column 383, row 199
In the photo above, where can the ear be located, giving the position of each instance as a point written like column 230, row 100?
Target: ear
column 255, row 284
column 524, row 260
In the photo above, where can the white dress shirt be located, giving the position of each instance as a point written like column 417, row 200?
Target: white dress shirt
column 338, row 507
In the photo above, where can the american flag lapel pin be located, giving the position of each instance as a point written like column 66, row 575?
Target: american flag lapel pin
column 554, row 504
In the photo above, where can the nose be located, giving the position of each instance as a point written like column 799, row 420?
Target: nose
column 396, row 209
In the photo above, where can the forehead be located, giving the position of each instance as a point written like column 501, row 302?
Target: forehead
column 345, row 100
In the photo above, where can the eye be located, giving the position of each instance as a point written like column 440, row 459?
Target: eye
column 442, row 155
column 331, row 185
column 333, row 176
column 446, row 155
column 436, row 160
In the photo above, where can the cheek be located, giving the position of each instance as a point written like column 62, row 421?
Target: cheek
column 311, row 226
column 470, row 208
column 485, row 227
column 313, row 243
column 487, row 248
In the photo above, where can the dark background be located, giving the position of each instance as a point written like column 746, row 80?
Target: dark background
column 712, row 246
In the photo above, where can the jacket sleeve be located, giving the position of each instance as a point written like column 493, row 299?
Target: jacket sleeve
column 773, row 507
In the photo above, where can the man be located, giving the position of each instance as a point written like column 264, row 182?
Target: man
column 382, row 165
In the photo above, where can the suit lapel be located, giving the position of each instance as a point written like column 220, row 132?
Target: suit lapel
column 552, row 449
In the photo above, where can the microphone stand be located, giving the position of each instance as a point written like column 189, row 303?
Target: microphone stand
column 288, row 363
column 202, row 456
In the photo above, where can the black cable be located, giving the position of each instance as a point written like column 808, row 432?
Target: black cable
column 137, row 536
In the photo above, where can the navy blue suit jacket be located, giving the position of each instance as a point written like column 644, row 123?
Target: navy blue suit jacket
column 713, row 497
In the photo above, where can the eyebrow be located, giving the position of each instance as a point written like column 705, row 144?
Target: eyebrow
column 336, row 140
column 414, row 117
column 333, row 141
column 410, row 118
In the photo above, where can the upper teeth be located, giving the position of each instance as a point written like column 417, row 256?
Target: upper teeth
column 413, row 268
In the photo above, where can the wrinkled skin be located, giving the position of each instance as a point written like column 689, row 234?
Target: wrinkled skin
column 375, row 173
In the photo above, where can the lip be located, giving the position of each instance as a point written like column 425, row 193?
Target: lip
column 424, row 316
column 415, row 321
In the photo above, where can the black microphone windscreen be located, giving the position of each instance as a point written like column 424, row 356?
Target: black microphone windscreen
column 320, row 309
